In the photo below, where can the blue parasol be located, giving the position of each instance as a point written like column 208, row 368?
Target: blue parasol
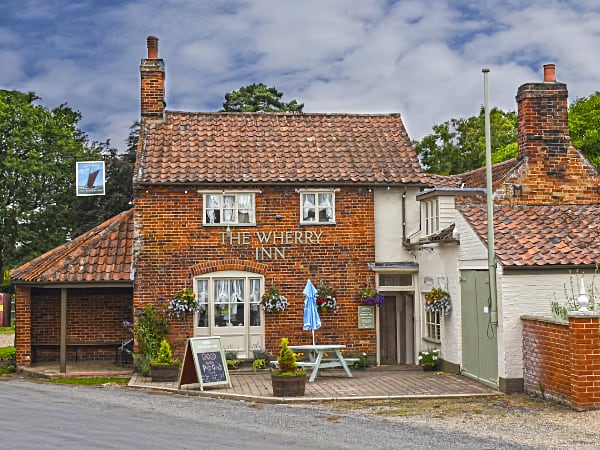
column 312, row 321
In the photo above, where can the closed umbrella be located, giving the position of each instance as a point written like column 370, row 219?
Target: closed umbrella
column 312, row 321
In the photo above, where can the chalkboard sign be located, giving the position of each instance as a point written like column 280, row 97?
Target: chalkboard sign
column 204, row 363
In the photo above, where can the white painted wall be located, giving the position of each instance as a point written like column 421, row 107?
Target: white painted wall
column 525, row 292
column 440, row 269
column 388, row 223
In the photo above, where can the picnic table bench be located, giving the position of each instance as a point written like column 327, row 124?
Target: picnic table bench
column 317, row 359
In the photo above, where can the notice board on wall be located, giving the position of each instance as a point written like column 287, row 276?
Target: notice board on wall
column 204, row 363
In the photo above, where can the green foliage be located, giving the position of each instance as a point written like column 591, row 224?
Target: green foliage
column 429, row 357
column 458, row 145
column 38, row 150
column 233, row 364
column 584, row 126
column 259, row 364
column 362, row 363
column 560, row 310
column 286, row 361
column 150, row 328
column 8, row 360
column 258, row 97
column 164, row 356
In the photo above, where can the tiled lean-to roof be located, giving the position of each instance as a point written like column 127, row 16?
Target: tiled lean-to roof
column 266, row 148
column 541, row 235
column 102, row 255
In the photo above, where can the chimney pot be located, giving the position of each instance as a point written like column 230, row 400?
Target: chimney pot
column 549, row 73
column 152, row 44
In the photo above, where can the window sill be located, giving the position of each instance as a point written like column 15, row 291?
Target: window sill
column 432, row 340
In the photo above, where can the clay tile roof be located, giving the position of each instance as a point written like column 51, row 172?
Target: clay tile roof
column 103, row 254
column 476, row 178
column 260, row 148
column 541, row 235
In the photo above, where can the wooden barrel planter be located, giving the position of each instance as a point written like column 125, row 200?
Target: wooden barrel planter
column 165, row 373
column 288, row 386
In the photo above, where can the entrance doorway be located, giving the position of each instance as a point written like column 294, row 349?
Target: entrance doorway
column 396, row 329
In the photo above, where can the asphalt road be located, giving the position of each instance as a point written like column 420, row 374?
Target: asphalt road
column 37, row 415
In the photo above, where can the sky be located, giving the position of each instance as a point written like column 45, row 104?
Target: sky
column 420, row 58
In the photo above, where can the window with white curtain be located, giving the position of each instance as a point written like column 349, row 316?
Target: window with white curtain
column 235, row 208
column 228, row 298
column 317, row 207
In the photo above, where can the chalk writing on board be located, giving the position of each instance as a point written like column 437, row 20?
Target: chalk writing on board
column 211, row 367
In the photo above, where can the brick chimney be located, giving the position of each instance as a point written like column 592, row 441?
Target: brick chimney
column 152, row 72
column 551, row 170
column 543, row 118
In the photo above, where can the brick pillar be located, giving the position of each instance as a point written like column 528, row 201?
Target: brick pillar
column 152, row 73
column 584, row 339
column 23, row 327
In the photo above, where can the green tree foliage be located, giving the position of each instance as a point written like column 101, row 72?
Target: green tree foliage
column 93, row 210
column 258, row 97
column 38, row 151
column 584, row 126
column 458, row 145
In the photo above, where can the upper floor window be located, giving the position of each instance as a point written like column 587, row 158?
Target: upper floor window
column 235, row 208
column 431, row 216
column 317, row 207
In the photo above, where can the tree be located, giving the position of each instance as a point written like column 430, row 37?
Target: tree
column 584, row 126
column 258, row 97
column 93, row 210
column 458, row 145
column 38, row 151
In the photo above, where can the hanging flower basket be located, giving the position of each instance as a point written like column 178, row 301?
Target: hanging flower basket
column 273, row 300
column 184, row 303
column 438, row 300
column 369, row 296
column 326, row 298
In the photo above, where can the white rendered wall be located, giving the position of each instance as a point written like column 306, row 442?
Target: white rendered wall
column 388, row 223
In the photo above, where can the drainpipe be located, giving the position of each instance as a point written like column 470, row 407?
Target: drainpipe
column 490, row 205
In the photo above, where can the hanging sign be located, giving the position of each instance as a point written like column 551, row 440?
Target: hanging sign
column 204, row 363
column 90, row 179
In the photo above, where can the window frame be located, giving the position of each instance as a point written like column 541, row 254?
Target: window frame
column 433, row 325
column 431, row 215
column 317, row 207
column 222, row 207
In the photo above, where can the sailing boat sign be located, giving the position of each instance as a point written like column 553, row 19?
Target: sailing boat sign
column 90, row 178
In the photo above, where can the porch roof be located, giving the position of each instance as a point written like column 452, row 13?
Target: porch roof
column 103, row 254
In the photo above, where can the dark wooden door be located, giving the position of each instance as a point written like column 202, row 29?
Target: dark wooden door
column 388, row 331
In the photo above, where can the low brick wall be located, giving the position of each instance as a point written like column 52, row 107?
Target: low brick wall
column 561, row 359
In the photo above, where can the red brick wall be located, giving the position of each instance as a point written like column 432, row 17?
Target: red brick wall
column 171, row 246
column 553, row 171
column 562, row 360
column 93, row 315
column 23, row 325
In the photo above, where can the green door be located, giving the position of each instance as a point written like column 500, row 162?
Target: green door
column 479, row 337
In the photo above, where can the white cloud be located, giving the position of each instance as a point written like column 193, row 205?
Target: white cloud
column 422, row 58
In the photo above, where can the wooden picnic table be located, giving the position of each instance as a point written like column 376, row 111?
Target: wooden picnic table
column 317, row 359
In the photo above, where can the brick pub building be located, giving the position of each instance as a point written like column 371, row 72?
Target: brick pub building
column 229, row 204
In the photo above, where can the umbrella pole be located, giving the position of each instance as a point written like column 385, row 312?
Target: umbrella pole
column 313, row 334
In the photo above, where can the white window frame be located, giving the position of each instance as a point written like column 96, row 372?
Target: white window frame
column 318, row 206
column 205, row 287
column 228, row 213
column 433, row 325
column 431, row 216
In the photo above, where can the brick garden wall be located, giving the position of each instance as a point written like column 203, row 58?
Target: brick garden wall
column 171, row 247
column 562, row 360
